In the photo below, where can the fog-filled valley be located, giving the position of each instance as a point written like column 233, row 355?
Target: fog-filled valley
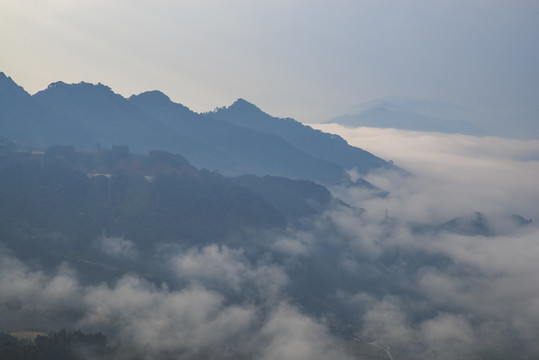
column 275, row 241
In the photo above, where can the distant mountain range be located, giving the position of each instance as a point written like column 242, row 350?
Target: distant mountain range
column 410, row 114
column 328, row 147
column 435, row 116
column 240, row 139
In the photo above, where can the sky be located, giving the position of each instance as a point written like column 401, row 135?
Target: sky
column 310, row 60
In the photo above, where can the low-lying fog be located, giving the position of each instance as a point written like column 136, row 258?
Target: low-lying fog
column 427, row 295
column 452, row 173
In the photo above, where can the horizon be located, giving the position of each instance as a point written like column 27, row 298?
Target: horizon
column 396, row 217
column 456, row 115
column 206, row 54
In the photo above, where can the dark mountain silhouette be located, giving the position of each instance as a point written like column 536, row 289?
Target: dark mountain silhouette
column 24, row 120
column 293, row 198
column 248, row 151
column 322, row 145
column 91, row 117
column 148, row 198
column 104, row 118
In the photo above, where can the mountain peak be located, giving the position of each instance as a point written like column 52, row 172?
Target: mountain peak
column 7, row 85
column 56, row 84
column 81, row 90
column 155, row 96
column 243, row 105
column 238, row 110
column 80, row 86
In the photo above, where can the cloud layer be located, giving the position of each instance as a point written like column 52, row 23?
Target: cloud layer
column 431, row 293
column 155, row 321
column 481, row 292
column 453, row 174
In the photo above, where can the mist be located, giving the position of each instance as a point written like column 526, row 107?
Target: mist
column 439, row 268
column 481, row 292
column 451, row 174
column 324, row 52
column 149, row 320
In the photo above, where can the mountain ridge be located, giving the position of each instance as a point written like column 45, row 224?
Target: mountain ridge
column 411, row 114
column 91, row 116
column 326, row 146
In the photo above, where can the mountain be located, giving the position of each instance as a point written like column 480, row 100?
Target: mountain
column 471, row 225
column 92, row 117
column 150, row 250
column 24, row 120
column 474, row 224
column 411, row 114
column 293, row 198
column 322, row 145
column 250, row 151
column 147, row 198
column 105, row 118
column 101, row 117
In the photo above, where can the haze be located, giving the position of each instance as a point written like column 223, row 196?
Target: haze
column 306, row 59
column 177, row 243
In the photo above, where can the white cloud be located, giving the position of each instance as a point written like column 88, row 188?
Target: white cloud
column 435, row 295
column 473, row 289
column 154, row 321
column 164, row 320
column 118, row 247
column 296, row 245
column 453, row 174
column 228, row 269
column 291, row 335
column 18, row 281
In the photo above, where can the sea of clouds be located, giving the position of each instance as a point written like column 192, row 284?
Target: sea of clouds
column 489, row 291
column 431, row 295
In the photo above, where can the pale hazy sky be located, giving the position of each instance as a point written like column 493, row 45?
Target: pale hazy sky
column 304, row 59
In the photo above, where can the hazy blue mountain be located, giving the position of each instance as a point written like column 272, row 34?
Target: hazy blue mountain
column 322, row 145
column 105, row 118
column 429, row 108
column 149, row 198
column 24, row 120
column 159, row 197
column 108, row 118
column 292, row 198
column 92, row 116
column 474, row 224
column 470, row 225
column 411, row 114
column 250, row 151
